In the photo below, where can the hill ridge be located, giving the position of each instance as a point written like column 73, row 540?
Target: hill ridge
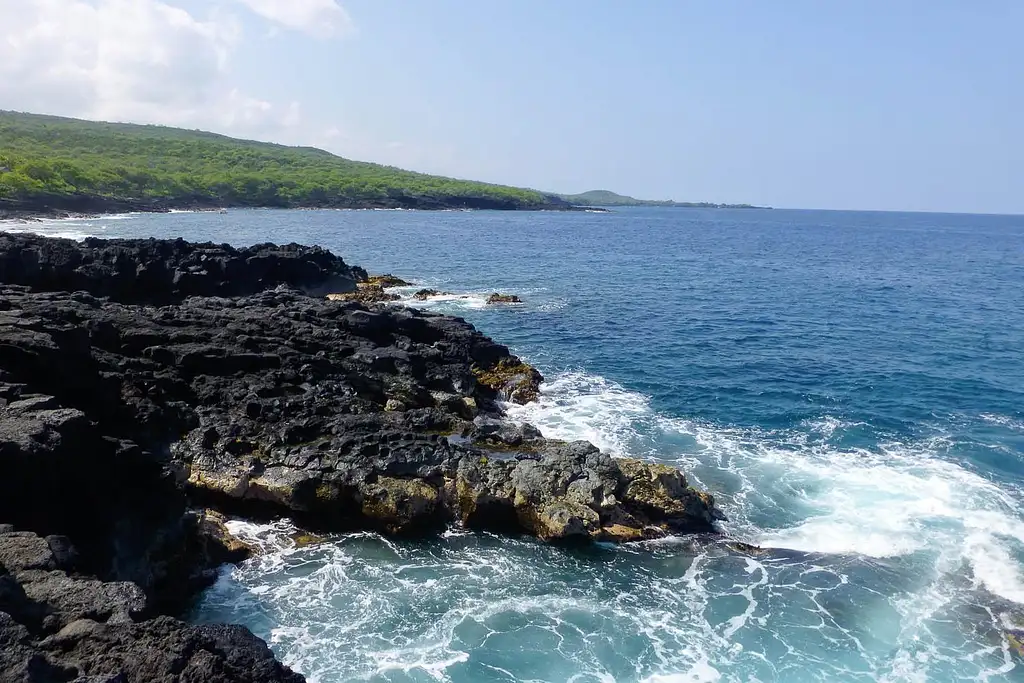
column 57, row 163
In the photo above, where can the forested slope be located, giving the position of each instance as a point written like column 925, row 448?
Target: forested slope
column 51, row 162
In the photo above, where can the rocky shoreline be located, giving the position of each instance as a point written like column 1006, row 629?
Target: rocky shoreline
column 146, row 383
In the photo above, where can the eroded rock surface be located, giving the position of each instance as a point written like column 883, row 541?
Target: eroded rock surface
column 152, row 271
column 131, row 413
column 336, row 413
column 56, row 625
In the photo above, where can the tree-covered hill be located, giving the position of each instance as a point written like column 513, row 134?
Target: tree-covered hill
column 48, row 163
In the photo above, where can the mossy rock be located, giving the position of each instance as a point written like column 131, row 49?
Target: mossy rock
column 365, row 293
column 515, row 380
column 745, row 548
column 1016, row 641
column 400, row 504
column 304, row 539
column 497, row 298
column 386, row 280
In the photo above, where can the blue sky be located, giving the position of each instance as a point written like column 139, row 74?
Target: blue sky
column 867, row 105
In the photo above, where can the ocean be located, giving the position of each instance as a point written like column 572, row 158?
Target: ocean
column 849, row 385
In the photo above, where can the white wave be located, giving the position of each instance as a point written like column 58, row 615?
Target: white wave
column 1015, row 424
column 118, row 216
column 77, row 231
column 895, row 500
column 579, row 406
column 362, row 607
column 447, row 303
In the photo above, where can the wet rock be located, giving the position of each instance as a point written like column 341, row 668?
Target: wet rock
column 402, row 504
column 564, row 491
column 219, row 545
column 365, row 293
column 1015, row 639
column 497, row 298
column 283, row 404
column 424, row 294
column 56, row 626
column 303, row 539
column 387, row 280
column 513, row 379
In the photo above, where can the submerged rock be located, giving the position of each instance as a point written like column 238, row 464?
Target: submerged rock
column 1015, row 639
column 497, row 298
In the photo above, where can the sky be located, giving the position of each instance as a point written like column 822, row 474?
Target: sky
column 890, row 105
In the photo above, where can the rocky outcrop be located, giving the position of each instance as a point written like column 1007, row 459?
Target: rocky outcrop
column 387, row 280
column 424, row 294
column 166, row 271
column 123, row 414
column 58, row 625
column 365, row 293
column 497, row 298
column 333, row 412
column 511, row 378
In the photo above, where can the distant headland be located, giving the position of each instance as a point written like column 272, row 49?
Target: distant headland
column 603, row 198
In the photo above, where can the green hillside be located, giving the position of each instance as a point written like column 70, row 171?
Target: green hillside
column 609, row 198
column 48, row 162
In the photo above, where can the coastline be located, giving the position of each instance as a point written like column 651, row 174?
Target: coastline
column 88, row 206
column 255, row 396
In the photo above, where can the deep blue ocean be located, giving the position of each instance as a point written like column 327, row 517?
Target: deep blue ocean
column 849, row 385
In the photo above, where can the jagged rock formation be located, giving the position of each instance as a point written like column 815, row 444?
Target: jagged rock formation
column 58, row 625
column 158, row 272
column 125, row 404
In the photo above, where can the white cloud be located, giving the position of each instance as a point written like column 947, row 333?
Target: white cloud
column 145, row 61
column 318, row 18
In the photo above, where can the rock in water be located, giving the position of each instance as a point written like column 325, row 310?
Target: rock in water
column 424, row 294
column 387, row 280
column 497, row 298
column 513, row 379
column 365, row 293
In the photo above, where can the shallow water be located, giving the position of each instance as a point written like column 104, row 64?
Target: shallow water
column 849, row 385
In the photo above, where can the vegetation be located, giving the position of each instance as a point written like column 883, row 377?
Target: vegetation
column 608, row 198
column 51, row 162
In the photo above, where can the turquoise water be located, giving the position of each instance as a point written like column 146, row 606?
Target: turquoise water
column 849, row 385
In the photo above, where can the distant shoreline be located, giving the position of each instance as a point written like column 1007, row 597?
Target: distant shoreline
column 607, row 198
column 84, row 206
